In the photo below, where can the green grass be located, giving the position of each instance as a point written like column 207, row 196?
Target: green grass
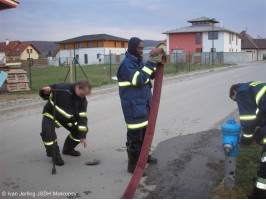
column 247, row 165
column 98, row 74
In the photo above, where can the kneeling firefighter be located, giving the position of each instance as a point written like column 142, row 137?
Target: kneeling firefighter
column 134, row 81
column 251, row 101
column 70, row 104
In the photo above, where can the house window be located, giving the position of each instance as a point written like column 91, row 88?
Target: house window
column 86, row 58
column 30, row 50
column 81, row 45
column 213, row 35
column 122, row 44
column 76, row 45
column 89, row 45
column 98, row 44
column 65, row 46
column 197, row 38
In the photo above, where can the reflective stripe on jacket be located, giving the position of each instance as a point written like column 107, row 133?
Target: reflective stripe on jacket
column 135, row 90
column 71, row 110
column 251, row 100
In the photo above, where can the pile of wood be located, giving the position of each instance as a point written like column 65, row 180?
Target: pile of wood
column 16, row 79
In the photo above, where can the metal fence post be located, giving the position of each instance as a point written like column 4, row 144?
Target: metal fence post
column 110, row 63
column 30, row 71
column 189, row 61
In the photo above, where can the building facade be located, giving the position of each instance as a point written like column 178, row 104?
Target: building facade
column 202, row 36
column 90, row 49
column 257, row 47
column 14, row 51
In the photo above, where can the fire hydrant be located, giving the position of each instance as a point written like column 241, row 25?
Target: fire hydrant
column 231, row 132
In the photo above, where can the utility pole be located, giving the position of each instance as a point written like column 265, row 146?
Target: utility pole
column 212, row 42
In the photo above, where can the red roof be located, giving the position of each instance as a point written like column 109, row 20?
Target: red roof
column 20, row 48
column 2, row 48
column 15, row 47
column 10, row 45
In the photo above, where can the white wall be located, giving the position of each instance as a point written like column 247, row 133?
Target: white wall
column 95, row 55
column 222, row 44
column 253, row 53
column 167, row 44
column 235, row 45
column 207, row 44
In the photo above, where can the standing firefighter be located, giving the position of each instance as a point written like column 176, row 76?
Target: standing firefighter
column 251, row 100
column 134, row 80
column 70, row 112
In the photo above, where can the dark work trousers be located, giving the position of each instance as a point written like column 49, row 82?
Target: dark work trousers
column 135, row 139
column 49, row 136
column 259, row 191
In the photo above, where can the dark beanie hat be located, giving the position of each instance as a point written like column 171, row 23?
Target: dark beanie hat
column 133, row 45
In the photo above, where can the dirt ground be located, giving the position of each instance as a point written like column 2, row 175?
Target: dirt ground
column 8, row 100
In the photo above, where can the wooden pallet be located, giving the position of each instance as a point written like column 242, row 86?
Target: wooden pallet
column 17, row 80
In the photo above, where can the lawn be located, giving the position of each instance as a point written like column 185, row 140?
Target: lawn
column 98, row 74
column 247, row 165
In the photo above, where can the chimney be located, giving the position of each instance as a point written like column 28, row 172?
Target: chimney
column 7, row 42
column 243, row 32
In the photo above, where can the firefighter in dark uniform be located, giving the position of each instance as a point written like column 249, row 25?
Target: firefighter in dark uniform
column 70, row 112
column 251, row 101
column 134, row 80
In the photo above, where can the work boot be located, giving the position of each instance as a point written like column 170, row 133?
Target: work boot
column 58, row 159
column 151, row 160
column 69, row 146
column 132, row 162
column 50, row 153
column 72, row 152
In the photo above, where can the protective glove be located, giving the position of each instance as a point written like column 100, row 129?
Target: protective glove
column 157, row 55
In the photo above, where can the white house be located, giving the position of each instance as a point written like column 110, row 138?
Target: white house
column 90, row 49
column 202, row 36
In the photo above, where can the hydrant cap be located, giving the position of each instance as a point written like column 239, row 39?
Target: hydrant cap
column 231, row 127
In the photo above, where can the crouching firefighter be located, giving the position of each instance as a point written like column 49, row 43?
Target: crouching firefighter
column 70, row 104
column 251, row 100
column 134, row 81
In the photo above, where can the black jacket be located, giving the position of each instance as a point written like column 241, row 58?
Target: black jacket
column 71, row 110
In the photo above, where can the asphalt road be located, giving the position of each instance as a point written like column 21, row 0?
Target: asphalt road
column 192, row 109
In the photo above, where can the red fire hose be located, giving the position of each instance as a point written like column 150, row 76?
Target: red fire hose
column 131, row 188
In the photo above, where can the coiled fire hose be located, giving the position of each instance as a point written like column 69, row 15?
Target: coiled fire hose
column 131, row 188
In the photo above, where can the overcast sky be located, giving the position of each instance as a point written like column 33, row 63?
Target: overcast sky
column 56, row 20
